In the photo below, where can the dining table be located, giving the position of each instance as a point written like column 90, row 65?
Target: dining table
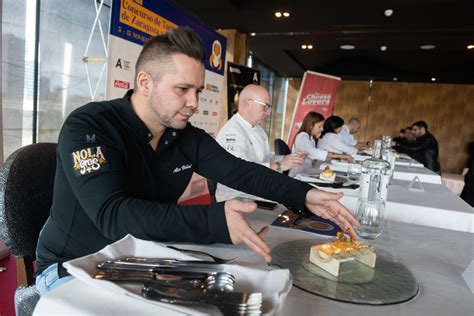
column 429, row 203
column 436, row 257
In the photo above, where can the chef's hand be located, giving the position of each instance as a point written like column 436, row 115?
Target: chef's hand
column 240, row 230
column 326, row 205
column 293, row 160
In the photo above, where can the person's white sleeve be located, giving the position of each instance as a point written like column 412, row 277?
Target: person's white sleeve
column 346, row 137
column 303, row 143
column 236, row 143
column 338, row 145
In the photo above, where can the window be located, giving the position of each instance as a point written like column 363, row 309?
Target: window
column 64, row 28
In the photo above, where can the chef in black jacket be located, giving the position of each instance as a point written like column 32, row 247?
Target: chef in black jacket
column 123, row 164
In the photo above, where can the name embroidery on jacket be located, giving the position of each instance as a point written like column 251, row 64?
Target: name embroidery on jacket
column 183, row 167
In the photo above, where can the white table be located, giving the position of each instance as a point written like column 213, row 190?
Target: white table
column 453, row 182
column 437, row 257
column 407, row 173
column 436, row 207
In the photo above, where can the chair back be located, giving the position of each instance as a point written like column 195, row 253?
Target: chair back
column 281, row 148
column 26, row 194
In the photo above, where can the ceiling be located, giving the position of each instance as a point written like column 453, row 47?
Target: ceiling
column 447, row 24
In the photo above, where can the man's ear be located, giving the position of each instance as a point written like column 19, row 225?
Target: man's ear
column 144, row 83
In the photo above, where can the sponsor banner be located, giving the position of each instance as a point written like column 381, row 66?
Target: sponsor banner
column 137, row 20
column 122, row 57
column 207, row 117
column 132, row 23
column 238, row 77
column 317, row 93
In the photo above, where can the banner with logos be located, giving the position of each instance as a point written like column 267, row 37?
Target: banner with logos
column 317, row 93
column 238, row 77
column 132, row 23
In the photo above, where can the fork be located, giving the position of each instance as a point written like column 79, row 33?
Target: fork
column 198, row 252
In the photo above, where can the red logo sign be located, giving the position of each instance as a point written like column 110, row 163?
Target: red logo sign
column 121, row 84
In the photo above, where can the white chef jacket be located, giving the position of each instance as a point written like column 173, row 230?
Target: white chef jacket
column 304, row 142
column 331, row 142
column 242, row 140
column 346, row 136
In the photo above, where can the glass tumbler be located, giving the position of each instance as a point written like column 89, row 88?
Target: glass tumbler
column 371, row 216
column 354, row 171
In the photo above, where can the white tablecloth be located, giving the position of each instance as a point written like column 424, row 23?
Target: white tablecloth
column 453, row 182
column 437, row 257
column 436, row 207
column 407, row 173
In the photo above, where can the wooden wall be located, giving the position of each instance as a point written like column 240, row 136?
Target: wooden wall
column 448, row 110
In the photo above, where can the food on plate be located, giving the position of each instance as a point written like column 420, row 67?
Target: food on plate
column 328, row 175
column 329, row 256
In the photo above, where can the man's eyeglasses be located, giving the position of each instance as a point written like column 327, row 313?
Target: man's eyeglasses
column 266, row 106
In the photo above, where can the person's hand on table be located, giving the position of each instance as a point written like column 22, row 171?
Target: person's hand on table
column 326, row 205
column 293, row 160
column 241, row 232
column 349, row 158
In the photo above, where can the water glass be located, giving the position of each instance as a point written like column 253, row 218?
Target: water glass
column 354, row 170
column 371, row 216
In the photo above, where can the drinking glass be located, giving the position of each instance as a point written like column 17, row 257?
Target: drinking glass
column 371, row 216
column 354, row 171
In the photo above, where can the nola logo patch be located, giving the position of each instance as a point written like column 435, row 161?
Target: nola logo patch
column 89, row 160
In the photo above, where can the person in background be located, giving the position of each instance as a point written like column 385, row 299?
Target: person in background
column 330, row 140
column 424, row 148
column 401, row 136
column 307, row 136
column 409, row 134
column 243, row 137
column 347, row 132
column 123, row 164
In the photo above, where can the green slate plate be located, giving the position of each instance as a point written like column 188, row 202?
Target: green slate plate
column 389, row 283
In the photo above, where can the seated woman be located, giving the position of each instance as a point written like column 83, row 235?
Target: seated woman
column 307, row 136
column 330, row 140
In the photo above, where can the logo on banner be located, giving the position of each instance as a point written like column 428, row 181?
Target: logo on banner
column 89, row 160
column 317, row 99
column 215, row 61
column 212, row 88
column 121, row 84
column 122, row 64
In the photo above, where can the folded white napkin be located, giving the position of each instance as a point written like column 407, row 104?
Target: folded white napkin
column 274, row 284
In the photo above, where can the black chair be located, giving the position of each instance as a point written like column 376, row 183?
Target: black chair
column 26, row 193
column 212, row 187
column 281, row 148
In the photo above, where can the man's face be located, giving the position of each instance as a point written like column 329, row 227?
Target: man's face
column 354, row 128
column 259, row 108
column 417, row 131
column 175, row 94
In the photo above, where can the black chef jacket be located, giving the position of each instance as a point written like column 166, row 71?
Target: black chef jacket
column 109, row 183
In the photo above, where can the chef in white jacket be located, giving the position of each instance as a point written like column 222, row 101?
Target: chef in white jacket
column 331, row 141
column 243, row 137
column 348, row 130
